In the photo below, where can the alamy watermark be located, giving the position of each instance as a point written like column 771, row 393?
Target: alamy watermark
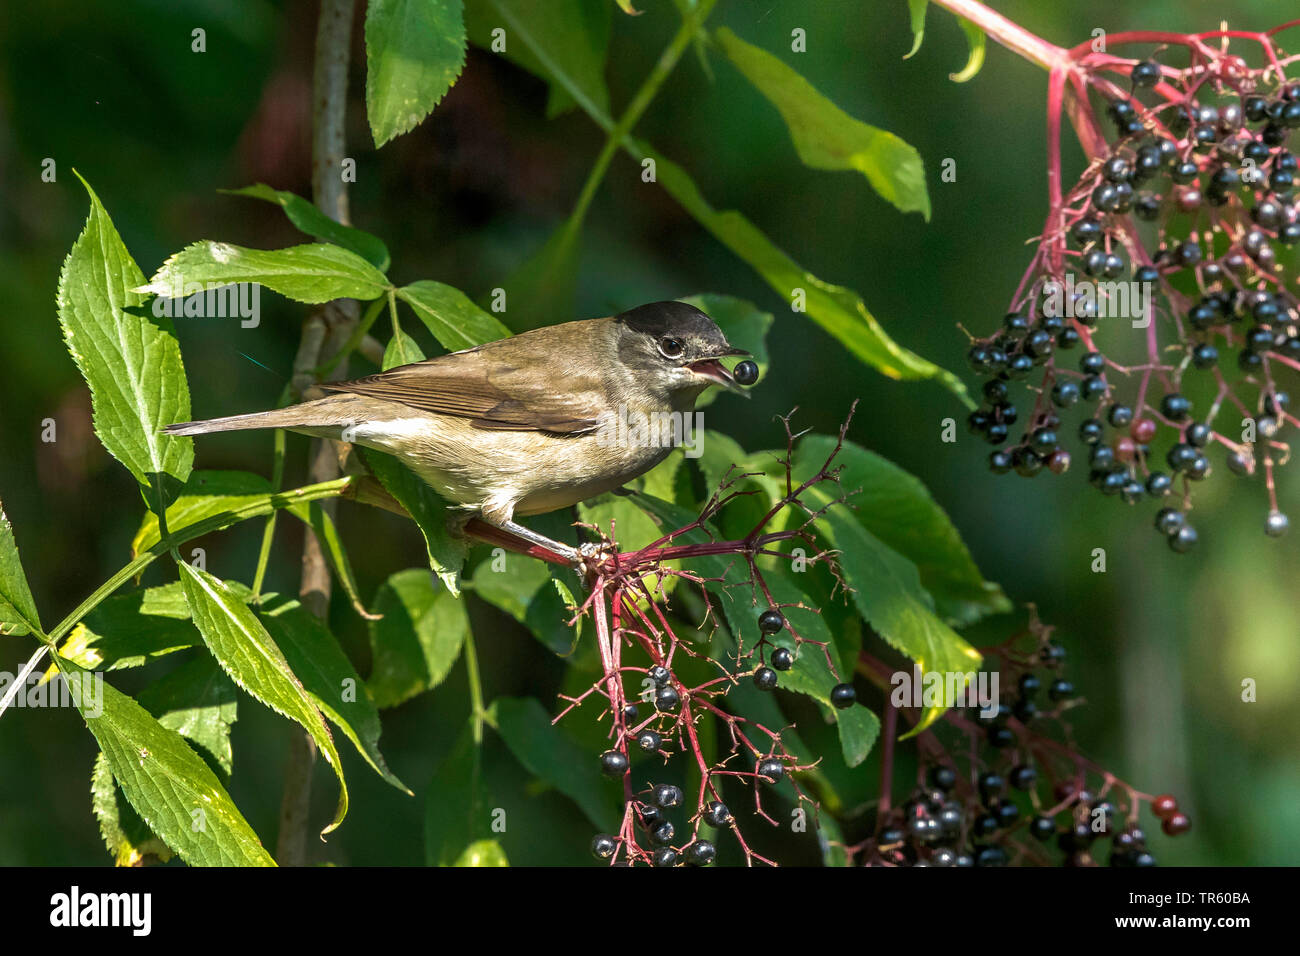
column 198, row 300
column 1086, row 299
column 84, row 689
column 946, row 689
column 626, row 428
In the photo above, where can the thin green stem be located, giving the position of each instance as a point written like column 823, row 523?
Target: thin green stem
column 691, row 23
column 397, row 327
column 479, row 714
column 367, row 320
column 277, row 479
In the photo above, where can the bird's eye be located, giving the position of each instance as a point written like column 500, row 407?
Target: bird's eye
column 671, row 347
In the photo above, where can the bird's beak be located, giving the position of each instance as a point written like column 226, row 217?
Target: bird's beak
column 713, row 370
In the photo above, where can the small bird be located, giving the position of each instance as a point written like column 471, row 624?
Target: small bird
column 527, row 424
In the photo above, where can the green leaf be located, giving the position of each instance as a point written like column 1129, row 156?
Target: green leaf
column 313, row 273
column 483, row 853
column 247, row 653
column 328, row 676
column 417, row 640
column 17, row 607
column 174, row 791
column 197, row 700
column 550, row 754
column 446, row 554
column 129, row 840
column 744, row 324
column 563, row 41
column 897, row 509
column 309, row 219
column 916, row 11
column 456, row 807
column 525, row 589
column 455, row 321
column 401, row 350
column 976, row 40
column 122, row 633
column 415, row 49
column 888, row 593
column 828, row 138
column 840, row 311
column 129, row 357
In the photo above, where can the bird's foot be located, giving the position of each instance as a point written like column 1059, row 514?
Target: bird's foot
column 592, row 556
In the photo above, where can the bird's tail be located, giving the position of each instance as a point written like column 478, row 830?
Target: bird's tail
column 327, row 412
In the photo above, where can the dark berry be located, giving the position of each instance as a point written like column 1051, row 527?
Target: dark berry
column 1023, row 777
column 665, row 856
column 1065, row 394
column 717, row 814
column 771, row 621
column 1159, row 484
column 603, row 846
column 765, row 678
column 1169, row 520
column 942, row 777
column 701, row 853
column 613, row 763
column 649, row 741
column 843, row 696
column 666, row 796
column 659, row 674
column 1184, row 539
column 771, row 770
column 1145, row 73
column 667, row 699
column 783, row 658
column 1061, row 689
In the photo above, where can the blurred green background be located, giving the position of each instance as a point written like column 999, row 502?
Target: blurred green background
column 1159, row 644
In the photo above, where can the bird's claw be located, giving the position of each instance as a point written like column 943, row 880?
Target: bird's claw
column 592, row 555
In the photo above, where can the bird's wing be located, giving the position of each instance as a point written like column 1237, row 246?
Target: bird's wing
column 485, row 387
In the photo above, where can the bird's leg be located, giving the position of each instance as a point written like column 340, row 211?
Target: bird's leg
column 532, row 537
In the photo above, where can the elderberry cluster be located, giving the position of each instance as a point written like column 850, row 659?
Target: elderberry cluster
column 655, row 836
column 1008, row 805
column 1207, row 174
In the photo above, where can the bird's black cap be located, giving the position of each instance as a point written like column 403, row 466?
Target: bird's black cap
column 680, row 319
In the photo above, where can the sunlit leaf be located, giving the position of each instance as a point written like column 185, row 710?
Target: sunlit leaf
column 313, row 273
column 241, row 644
column 128, row 356
column 415, row 49
column 455, row 321
column 825, row 136
column 176, row 794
